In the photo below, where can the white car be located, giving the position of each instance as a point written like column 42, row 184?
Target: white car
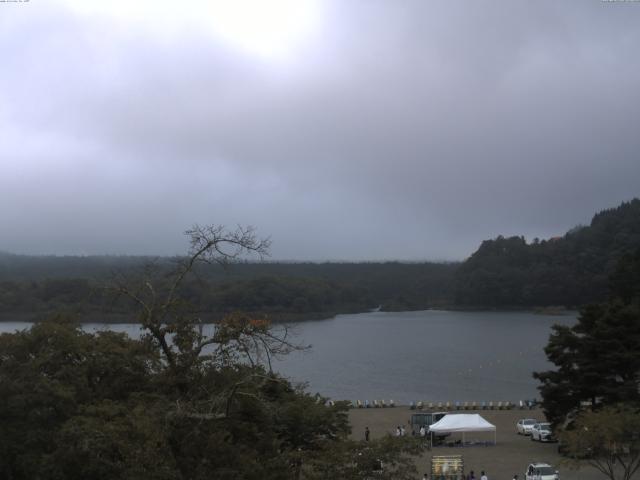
column 541, row 471
column 542, row 432
column 524, row 426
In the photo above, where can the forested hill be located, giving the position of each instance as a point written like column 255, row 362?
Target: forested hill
column 571, row 270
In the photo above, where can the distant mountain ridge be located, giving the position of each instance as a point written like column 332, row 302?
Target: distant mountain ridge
column 571, row 270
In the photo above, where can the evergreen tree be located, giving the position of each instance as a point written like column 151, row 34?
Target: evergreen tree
column 571, row 270
column 598, row 359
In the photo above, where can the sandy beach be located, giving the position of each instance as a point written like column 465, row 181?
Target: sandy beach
column 512, row 453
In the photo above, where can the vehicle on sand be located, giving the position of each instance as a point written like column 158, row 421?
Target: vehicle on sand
column 524, row 426
column 541, row 471
column 426, row 419
column 542, row 433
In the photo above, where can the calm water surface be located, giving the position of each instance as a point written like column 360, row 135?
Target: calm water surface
column 409, row 356
column 428, row 355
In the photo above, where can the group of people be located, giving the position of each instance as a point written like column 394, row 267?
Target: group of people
column 400, row 432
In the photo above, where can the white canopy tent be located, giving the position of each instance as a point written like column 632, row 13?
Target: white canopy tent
column 462, row 423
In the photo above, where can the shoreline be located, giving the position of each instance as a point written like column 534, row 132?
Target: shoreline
column 276, row 317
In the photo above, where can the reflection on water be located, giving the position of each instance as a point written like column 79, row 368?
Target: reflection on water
column 429, row 355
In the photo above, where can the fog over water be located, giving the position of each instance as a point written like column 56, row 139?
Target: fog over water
column 358, row 130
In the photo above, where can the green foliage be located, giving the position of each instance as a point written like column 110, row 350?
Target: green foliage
column 176, row 404
column 607, row 439
column 286, row 294
column 282, row 291
column 571, row 270
column 113, row 440
column 388, row 458
column 48, row 375
column 75, row 405
column 597, row 359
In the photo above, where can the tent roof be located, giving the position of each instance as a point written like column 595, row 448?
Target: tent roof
column 462, row 422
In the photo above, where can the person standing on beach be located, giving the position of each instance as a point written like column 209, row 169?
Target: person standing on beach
column 483, row 476
column 366, row 434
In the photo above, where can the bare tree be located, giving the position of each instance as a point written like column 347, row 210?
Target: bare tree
column 178, row 332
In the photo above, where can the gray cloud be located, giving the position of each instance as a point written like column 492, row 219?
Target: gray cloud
column 408, row 130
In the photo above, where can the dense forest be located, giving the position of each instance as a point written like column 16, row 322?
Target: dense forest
column 571, row 270
column 37, row 286
column 503, row 273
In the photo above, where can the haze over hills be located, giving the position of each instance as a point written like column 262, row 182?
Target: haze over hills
column 503, row 273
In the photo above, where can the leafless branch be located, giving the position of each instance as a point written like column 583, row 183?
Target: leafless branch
column 162, row 312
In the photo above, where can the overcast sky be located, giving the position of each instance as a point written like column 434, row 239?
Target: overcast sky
column 345, row 130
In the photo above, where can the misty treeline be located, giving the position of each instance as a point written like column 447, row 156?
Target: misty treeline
column 284, row 291
column 571, row 271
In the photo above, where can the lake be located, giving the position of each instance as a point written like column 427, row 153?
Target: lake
column 409, row 356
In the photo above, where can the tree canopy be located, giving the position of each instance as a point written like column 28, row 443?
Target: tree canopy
column 103, row 406
column 569, row 270
column 181, row 402
column 593, row 396
column 607, row 439
column 597, row 359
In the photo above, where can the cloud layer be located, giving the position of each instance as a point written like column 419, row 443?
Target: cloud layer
column 388, row 130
